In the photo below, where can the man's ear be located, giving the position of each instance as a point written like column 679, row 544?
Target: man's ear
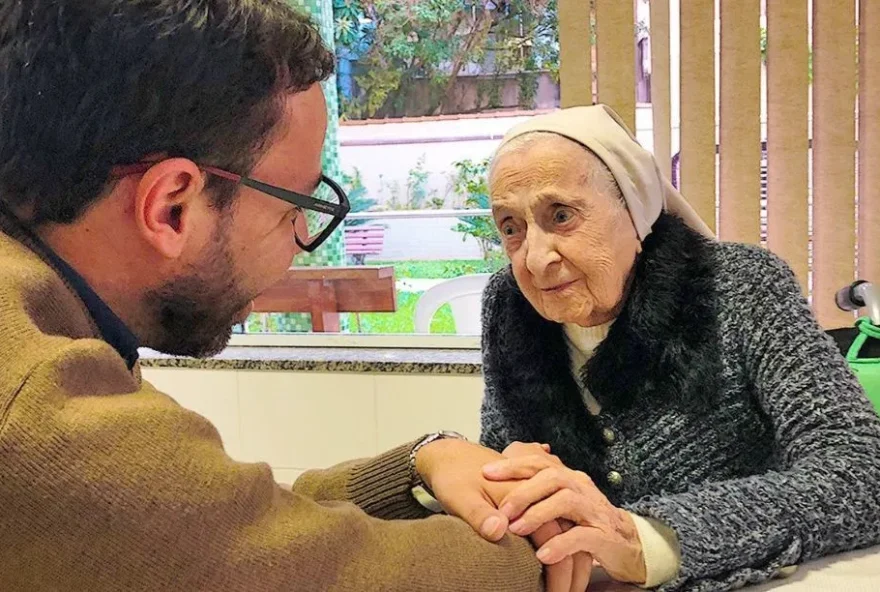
column 168, row 201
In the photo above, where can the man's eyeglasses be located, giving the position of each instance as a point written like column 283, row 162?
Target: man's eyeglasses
column 323, row 211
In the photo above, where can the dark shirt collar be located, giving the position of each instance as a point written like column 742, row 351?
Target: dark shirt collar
column 111, row 327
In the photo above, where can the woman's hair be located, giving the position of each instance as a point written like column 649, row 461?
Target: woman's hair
column 89, row 84
column 599, row 177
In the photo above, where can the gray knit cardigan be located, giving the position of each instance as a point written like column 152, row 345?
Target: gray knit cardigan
column 734, row 419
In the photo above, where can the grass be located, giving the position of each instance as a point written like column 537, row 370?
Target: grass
column 401, row 321
column 443, row 269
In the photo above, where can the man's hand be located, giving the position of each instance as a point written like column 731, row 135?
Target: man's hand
column 453, row 470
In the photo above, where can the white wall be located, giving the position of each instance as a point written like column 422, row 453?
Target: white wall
column 389, row 149
column 301, row 420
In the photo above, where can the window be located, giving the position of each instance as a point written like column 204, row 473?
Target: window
column 423, row 94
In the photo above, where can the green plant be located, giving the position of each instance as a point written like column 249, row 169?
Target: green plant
column 528, row 85
column 494, row 95
column 764, row 54
column 417, row 195
column 346, row 21
column 360, row 201
column 377, row 84
column 470, row 181
column 764, row 44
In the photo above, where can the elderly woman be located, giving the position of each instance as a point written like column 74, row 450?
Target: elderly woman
column 705, row 432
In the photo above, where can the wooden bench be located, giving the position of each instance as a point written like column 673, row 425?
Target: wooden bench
column 361, row 241
column 324, row 292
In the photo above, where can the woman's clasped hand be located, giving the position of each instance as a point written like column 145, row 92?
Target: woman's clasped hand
column 571, row 523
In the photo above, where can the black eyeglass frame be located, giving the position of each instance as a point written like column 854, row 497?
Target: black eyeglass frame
column 338, row 211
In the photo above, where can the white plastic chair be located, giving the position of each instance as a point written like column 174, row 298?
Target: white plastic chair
column 465, row 297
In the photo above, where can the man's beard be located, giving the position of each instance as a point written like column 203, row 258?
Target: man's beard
column 194, row 314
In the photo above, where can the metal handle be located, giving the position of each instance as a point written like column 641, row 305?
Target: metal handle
column 860, row 294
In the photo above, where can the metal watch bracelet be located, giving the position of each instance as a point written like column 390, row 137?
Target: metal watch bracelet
column 420, row 490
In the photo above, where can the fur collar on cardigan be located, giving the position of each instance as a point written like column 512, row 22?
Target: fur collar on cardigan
column 663, row 345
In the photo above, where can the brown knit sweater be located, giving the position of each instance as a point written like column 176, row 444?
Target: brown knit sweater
column 108, row 484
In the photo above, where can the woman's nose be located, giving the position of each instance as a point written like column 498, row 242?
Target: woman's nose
column 541, row 251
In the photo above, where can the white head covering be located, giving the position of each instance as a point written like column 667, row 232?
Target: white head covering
column 646, row 191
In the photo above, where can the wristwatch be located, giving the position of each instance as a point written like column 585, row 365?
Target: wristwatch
column 420, row 491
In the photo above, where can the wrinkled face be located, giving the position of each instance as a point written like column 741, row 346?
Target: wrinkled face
column 248, row 247
column 569, row 237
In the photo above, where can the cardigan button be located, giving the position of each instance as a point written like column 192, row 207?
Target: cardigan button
column 615, row 479
column 609, row 436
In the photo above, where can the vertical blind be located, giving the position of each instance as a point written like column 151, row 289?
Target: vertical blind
column 816, row 142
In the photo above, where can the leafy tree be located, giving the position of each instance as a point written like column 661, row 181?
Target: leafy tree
column 396, row 42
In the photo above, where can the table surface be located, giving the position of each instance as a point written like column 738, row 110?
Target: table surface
column 858, row 571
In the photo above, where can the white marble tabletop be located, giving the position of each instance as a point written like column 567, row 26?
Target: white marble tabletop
column 858, row 571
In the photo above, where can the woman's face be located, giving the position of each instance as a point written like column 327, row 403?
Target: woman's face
column 570, row 239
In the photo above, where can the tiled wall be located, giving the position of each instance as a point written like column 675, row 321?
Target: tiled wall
column 301, row 420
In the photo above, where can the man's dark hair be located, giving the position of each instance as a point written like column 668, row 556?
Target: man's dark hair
column 88, row 84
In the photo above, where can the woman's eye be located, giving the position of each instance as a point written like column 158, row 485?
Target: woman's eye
column 508, row 229
column 562, row 215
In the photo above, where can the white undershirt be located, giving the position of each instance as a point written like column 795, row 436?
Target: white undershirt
column 659, row 542
column 581, row 343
